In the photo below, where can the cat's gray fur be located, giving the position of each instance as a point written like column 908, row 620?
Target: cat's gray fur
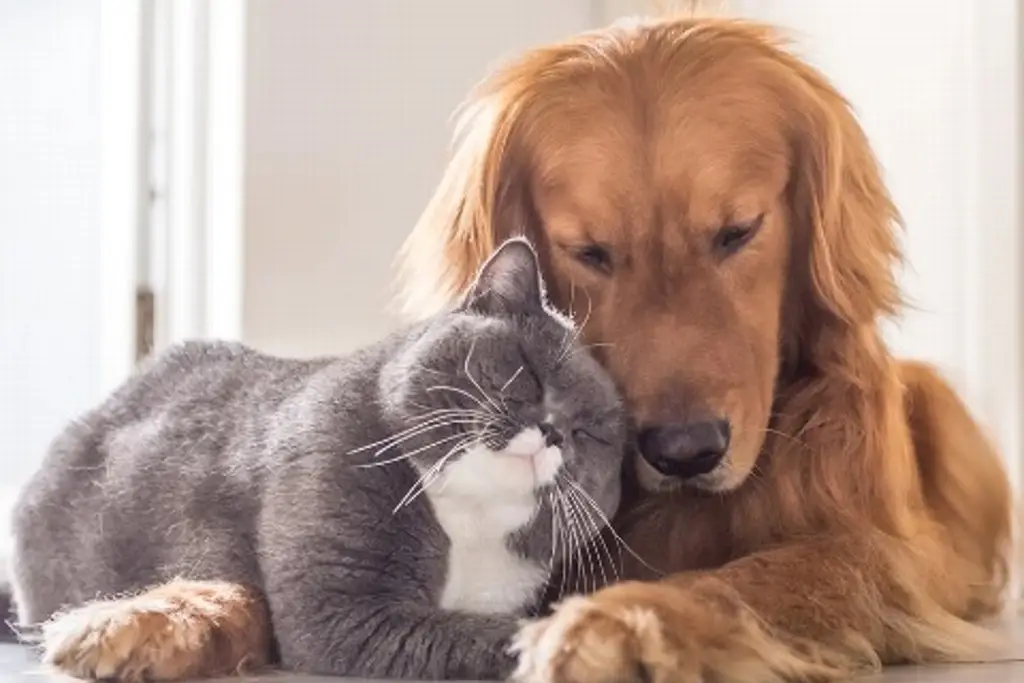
column 218, row 462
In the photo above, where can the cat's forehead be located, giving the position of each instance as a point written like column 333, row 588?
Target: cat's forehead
column 543, row 333
column 578, row 380
column 550, row 334
column 549, row 343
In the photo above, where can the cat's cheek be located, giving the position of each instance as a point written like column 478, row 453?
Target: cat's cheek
column 611, row 498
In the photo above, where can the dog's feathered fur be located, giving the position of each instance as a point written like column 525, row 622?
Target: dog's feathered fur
column 874, row 525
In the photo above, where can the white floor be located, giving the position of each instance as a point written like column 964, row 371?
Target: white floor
column 18, row 666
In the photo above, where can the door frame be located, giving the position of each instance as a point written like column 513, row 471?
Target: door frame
column 123, row 191
column 197, row 247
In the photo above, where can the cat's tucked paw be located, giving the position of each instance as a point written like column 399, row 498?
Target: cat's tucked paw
column 182, row 629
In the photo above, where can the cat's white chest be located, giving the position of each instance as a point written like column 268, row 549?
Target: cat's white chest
column 479, row 502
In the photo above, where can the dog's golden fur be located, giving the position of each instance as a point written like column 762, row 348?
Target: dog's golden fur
column 861, row 516
column 175, row 631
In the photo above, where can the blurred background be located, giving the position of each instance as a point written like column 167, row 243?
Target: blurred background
column 185, row 168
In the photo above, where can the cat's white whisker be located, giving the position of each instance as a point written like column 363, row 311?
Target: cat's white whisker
column 462, row 392
column 613, row 567
column 467, row 438
column 622, row 543
column 577, row 541
column 505, row 386
column 469, row 374
column 511, row 379
column 407, row 437
column 428, row 477
column 564, row 563
column 409, row 432
column 563, row 541
column 391, row 442
column 480, row 436
column 574, row 337
column 583, row 523
column 586, row 347
column 572, row 564
column 571, row 561
column 594, row 536
column 446, row 411
column 419, row 486
column 409, row 454
column 572, row 317
column 554, row 538
column 590, row 509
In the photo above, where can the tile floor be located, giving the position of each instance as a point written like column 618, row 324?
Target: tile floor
column 18, row 666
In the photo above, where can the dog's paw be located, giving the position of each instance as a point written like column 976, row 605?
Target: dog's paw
column 179, row 630
column 585, row 642
column 635, row 632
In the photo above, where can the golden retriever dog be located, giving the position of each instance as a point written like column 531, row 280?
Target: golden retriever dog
column 708, row 204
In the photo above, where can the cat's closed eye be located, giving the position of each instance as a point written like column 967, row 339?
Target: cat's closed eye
column 582, row 435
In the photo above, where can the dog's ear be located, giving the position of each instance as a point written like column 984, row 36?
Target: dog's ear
column 849, row 222
column 483, row 197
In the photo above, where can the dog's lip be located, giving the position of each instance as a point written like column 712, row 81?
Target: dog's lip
column 653, row 481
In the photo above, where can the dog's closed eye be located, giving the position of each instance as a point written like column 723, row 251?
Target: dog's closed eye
column 733, row 237
column 595, row 257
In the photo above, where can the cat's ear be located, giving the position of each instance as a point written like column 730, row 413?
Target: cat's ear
column 509, row 282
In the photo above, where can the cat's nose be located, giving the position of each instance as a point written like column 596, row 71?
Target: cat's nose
column 685, row 450
column 552, row 437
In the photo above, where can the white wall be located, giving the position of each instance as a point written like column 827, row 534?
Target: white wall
column 908, row 88
column 49, row 226
column 347, row 127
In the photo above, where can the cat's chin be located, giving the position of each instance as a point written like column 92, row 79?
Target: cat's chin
column 527, row 452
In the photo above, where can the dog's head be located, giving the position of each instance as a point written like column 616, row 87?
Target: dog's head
column 702, row 199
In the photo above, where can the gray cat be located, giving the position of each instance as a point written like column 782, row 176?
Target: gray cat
column 399, row 507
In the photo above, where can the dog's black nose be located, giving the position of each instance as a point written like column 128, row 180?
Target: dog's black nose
column 685, row 450
column 552, row 437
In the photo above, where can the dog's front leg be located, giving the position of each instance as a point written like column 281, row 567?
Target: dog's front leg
column 815, row 611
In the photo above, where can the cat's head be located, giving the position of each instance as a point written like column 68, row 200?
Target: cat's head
column 509, row 402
